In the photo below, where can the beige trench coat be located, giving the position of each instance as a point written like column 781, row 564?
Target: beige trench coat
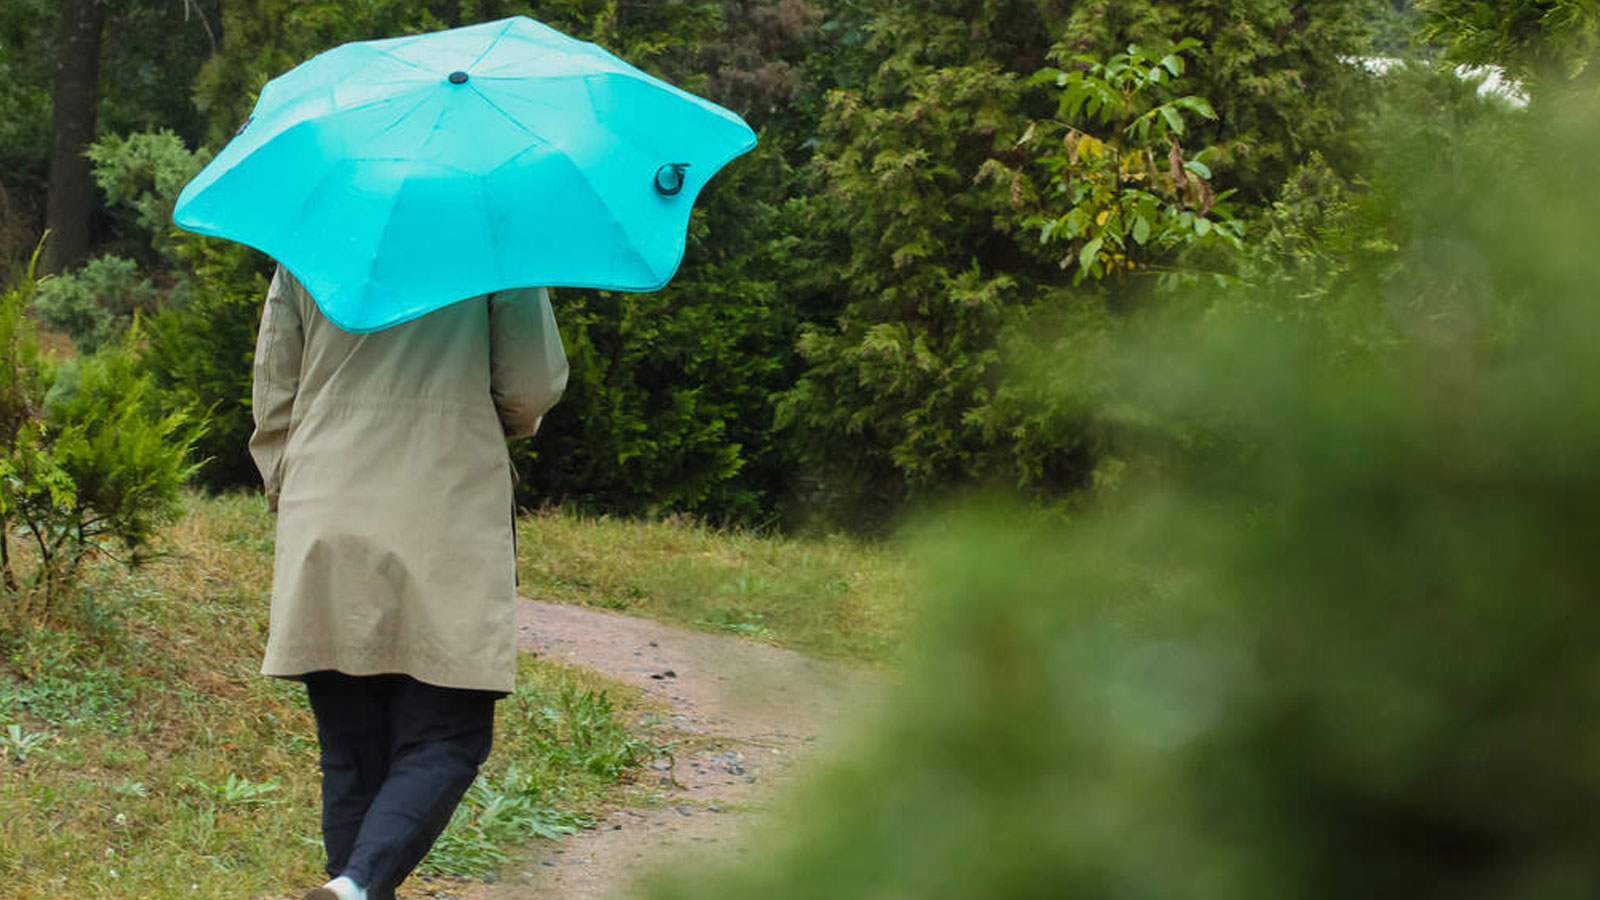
column 384, row 455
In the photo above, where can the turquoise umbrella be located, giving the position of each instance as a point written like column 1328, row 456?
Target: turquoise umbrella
column 398, row 176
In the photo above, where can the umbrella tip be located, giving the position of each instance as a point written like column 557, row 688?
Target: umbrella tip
column 458, row 77
column 669, row 178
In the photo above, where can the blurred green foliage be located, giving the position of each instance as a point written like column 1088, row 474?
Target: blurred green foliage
column 150, row 55
column 1339, row 645
column 1551, row 43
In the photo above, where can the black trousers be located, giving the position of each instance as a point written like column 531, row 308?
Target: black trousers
column 397, row 756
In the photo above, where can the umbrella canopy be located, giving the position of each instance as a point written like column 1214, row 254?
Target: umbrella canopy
column 398, row 176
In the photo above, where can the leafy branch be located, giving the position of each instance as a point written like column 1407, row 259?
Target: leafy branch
column 1134, row 200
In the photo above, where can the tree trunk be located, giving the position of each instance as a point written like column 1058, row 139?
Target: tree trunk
column 71, row 199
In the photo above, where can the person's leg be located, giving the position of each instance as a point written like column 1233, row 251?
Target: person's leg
column 352, row 716
column 440, row 736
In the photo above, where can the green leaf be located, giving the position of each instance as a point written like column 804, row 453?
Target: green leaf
column 1090, row 251
column 1174, row 121
column 1141, row 229
column 1047, row 75
column 1196, row 104
column 1198, row 168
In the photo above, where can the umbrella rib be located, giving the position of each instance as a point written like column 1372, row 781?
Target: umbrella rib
column 625, row 137
column 305, row 204
column 338, row 110
column 433, row 130
column 388, row 222
column 588, row 186
column 399, row 59
column 398, row 120
column 363, row 47
column 493, row 43
column 507, row 116
column 610, row 214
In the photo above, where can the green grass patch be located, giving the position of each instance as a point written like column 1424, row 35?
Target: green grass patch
column 832, row 597
column 562, row 750
column 142, row 756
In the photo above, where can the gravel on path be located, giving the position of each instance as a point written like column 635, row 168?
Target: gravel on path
column 747, row 717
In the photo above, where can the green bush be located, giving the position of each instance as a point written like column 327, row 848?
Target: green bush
column 96, row 303
column 1341, row 252
column 90, row 469
column 1553, row 43
column 200, row 351
column 141, row 175
column 201, row 326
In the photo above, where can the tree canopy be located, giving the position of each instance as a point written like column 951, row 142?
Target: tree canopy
column 957, row 209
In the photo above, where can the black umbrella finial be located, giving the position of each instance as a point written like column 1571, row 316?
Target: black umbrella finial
column 669, row 178
column 458, row 77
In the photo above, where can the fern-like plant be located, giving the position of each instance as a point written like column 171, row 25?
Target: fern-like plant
column 87, row 468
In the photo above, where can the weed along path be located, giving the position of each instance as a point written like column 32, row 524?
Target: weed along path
column 743, row 716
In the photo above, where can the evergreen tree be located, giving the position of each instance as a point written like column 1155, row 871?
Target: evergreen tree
column 932, row 278
column 1547, row 43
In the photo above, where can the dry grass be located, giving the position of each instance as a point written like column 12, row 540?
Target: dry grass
column 147, row 684
column 56, row 343
column 158, row 764
column 833, row 597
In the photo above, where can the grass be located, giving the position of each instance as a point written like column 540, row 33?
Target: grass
column 580, row 750
column 141, row 756
column 833, row 597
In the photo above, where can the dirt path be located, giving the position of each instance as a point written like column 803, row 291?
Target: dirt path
column 744, row 714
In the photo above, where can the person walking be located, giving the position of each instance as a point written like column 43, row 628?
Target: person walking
column 393, row 593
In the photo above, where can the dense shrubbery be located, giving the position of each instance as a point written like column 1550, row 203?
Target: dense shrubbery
column 977, row 210
column 1343, row 647
column 947, row 195
column 96, row 303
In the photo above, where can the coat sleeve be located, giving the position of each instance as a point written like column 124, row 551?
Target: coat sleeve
column 527, row 364
column 276, row 377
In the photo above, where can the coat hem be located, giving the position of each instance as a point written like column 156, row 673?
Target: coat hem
column 443, row 675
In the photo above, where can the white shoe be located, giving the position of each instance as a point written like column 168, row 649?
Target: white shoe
column 340, row 888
